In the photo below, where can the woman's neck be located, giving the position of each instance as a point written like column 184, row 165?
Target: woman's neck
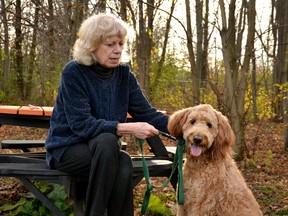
column 102, row 72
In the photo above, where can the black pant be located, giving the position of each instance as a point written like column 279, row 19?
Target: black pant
column 109, row 171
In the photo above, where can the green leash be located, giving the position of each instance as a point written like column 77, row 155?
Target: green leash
column 177, row 163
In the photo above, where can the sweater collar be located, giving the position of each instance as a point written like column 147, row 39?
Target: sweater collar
column 101, row 72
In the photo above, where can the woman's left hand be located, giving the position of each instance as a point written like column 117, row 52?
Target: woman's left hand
column 141, row 130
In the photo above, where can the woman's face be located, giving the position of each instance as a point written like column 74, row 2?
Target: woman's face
column 109, row 52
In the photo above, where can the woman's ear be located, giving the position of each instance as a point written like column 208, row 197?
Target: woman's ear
column 176, row 122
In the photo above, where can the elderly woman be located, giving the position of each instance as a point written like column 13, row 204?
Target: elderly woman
column 95, row 94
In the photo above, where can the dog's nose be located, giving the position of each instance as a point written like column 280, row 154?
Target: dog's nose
column 197, row 139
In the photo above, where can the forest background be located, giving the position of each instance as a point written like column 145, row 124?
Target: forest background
column 232, row 54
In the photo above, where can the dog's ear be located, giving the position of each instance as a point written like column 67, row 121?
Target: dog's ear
column 176, row 121
column 224, row 140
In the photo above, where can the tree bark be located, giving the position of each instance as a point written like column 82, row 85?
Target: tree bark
column 235, row 80
column 32, row 55
column 254, row 88
column 284, row 74
column 280, row 35
column 145, row 44
column 193, row 69
column 5, row 82
column 18, row 49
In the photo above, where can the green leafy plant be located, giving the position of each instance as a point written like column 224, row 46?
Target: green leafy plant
column 31, row 206
column 157, row 207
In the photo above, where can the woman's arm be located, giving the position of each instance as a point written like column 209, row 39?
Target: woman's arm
column 141, row 110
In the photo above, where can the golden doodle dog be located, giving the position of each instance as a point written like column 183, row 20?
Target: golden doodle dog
column 213, row 185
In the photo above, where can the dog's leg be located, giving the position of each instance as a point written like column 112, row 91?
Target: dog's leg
column 180, row 210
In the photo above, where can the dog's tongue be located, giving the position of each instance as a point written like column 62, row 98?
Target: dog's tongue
column 196, row 150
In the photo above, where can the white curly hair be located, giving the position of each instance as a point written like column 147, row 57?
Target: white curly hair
column 93, row 31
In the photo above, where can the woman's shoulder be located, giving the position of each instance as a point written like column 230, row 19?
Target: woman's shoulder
column 124, row 67
column 73, row 64
column 73, row 67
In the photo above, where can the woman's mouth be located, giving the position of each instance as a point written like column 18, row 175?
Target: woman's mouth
column 115, row 60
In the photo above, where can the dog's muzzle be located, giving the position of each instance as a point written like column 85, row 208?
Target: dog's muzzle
column 197, row 139
column 196, row 146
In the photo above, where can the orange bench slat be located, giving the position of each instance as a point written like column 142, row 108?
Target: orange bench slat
column 9, row 109
column 31, row 110
column 47, row 110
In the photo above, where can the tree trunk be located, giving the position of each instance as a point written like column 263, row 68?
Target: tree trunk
column 204, row 57
column 278, row 65
column 193, row 69
column 280, row 69
column 32, row 54
column 123, row 9
column 5, row 82
column 235, row 81
column 243, row 78
column 284, row 74
column 199, row 50
column 77, row 15
column 145, row 44
column 254, row 88
column 18, row 49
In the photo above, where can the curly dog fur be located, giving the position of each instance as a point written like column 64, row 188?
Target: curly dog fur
column 213, row 185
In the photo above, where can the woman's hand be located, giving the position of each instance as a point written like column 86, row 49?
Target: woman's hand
column 141, row 130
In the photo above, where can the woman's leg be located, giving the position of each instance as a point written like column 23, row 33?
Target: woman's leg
column 121, row 201
column 109, row 171
column 76, row 160
column 110, row 178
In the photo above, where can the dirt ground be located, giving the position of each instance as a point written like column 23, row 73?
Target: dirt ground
column 265, row 168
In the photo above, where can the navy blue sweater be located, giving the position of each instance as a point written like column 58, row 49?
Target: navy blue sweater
column 87, row 105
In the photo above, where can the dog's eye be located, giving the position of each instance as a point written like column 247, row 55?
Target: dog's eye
column 209, row 125
column 192, row 121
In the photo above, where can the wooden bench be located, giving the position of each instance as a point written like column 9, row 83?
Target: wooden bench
column 29, row 169
column 30, row 166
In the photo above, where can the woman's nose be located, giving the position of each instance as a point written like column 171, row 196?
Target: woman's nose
column 118, row 48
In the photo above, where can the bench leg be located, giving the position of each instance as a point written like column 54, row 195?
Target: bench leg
column 79, row 206
column 37, row 193
column 136, row 180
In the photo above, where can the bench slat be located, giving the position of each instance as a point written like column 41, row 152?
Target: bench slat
column 24, row 145
column 40, row 168
column 36, row 155
column 9, row 109
column 28, row 169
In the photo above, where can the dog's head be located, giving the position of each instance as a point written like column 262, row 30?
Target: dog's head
column 205, row 130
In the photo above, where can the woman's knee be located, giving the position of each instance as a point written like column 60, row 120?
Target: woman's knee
column 106, row 143
column 125, row 164
column 76, row 160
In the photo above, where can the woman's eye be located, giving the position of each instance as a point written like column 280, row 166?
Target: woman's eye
column 193, row 121
column 209, row 125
